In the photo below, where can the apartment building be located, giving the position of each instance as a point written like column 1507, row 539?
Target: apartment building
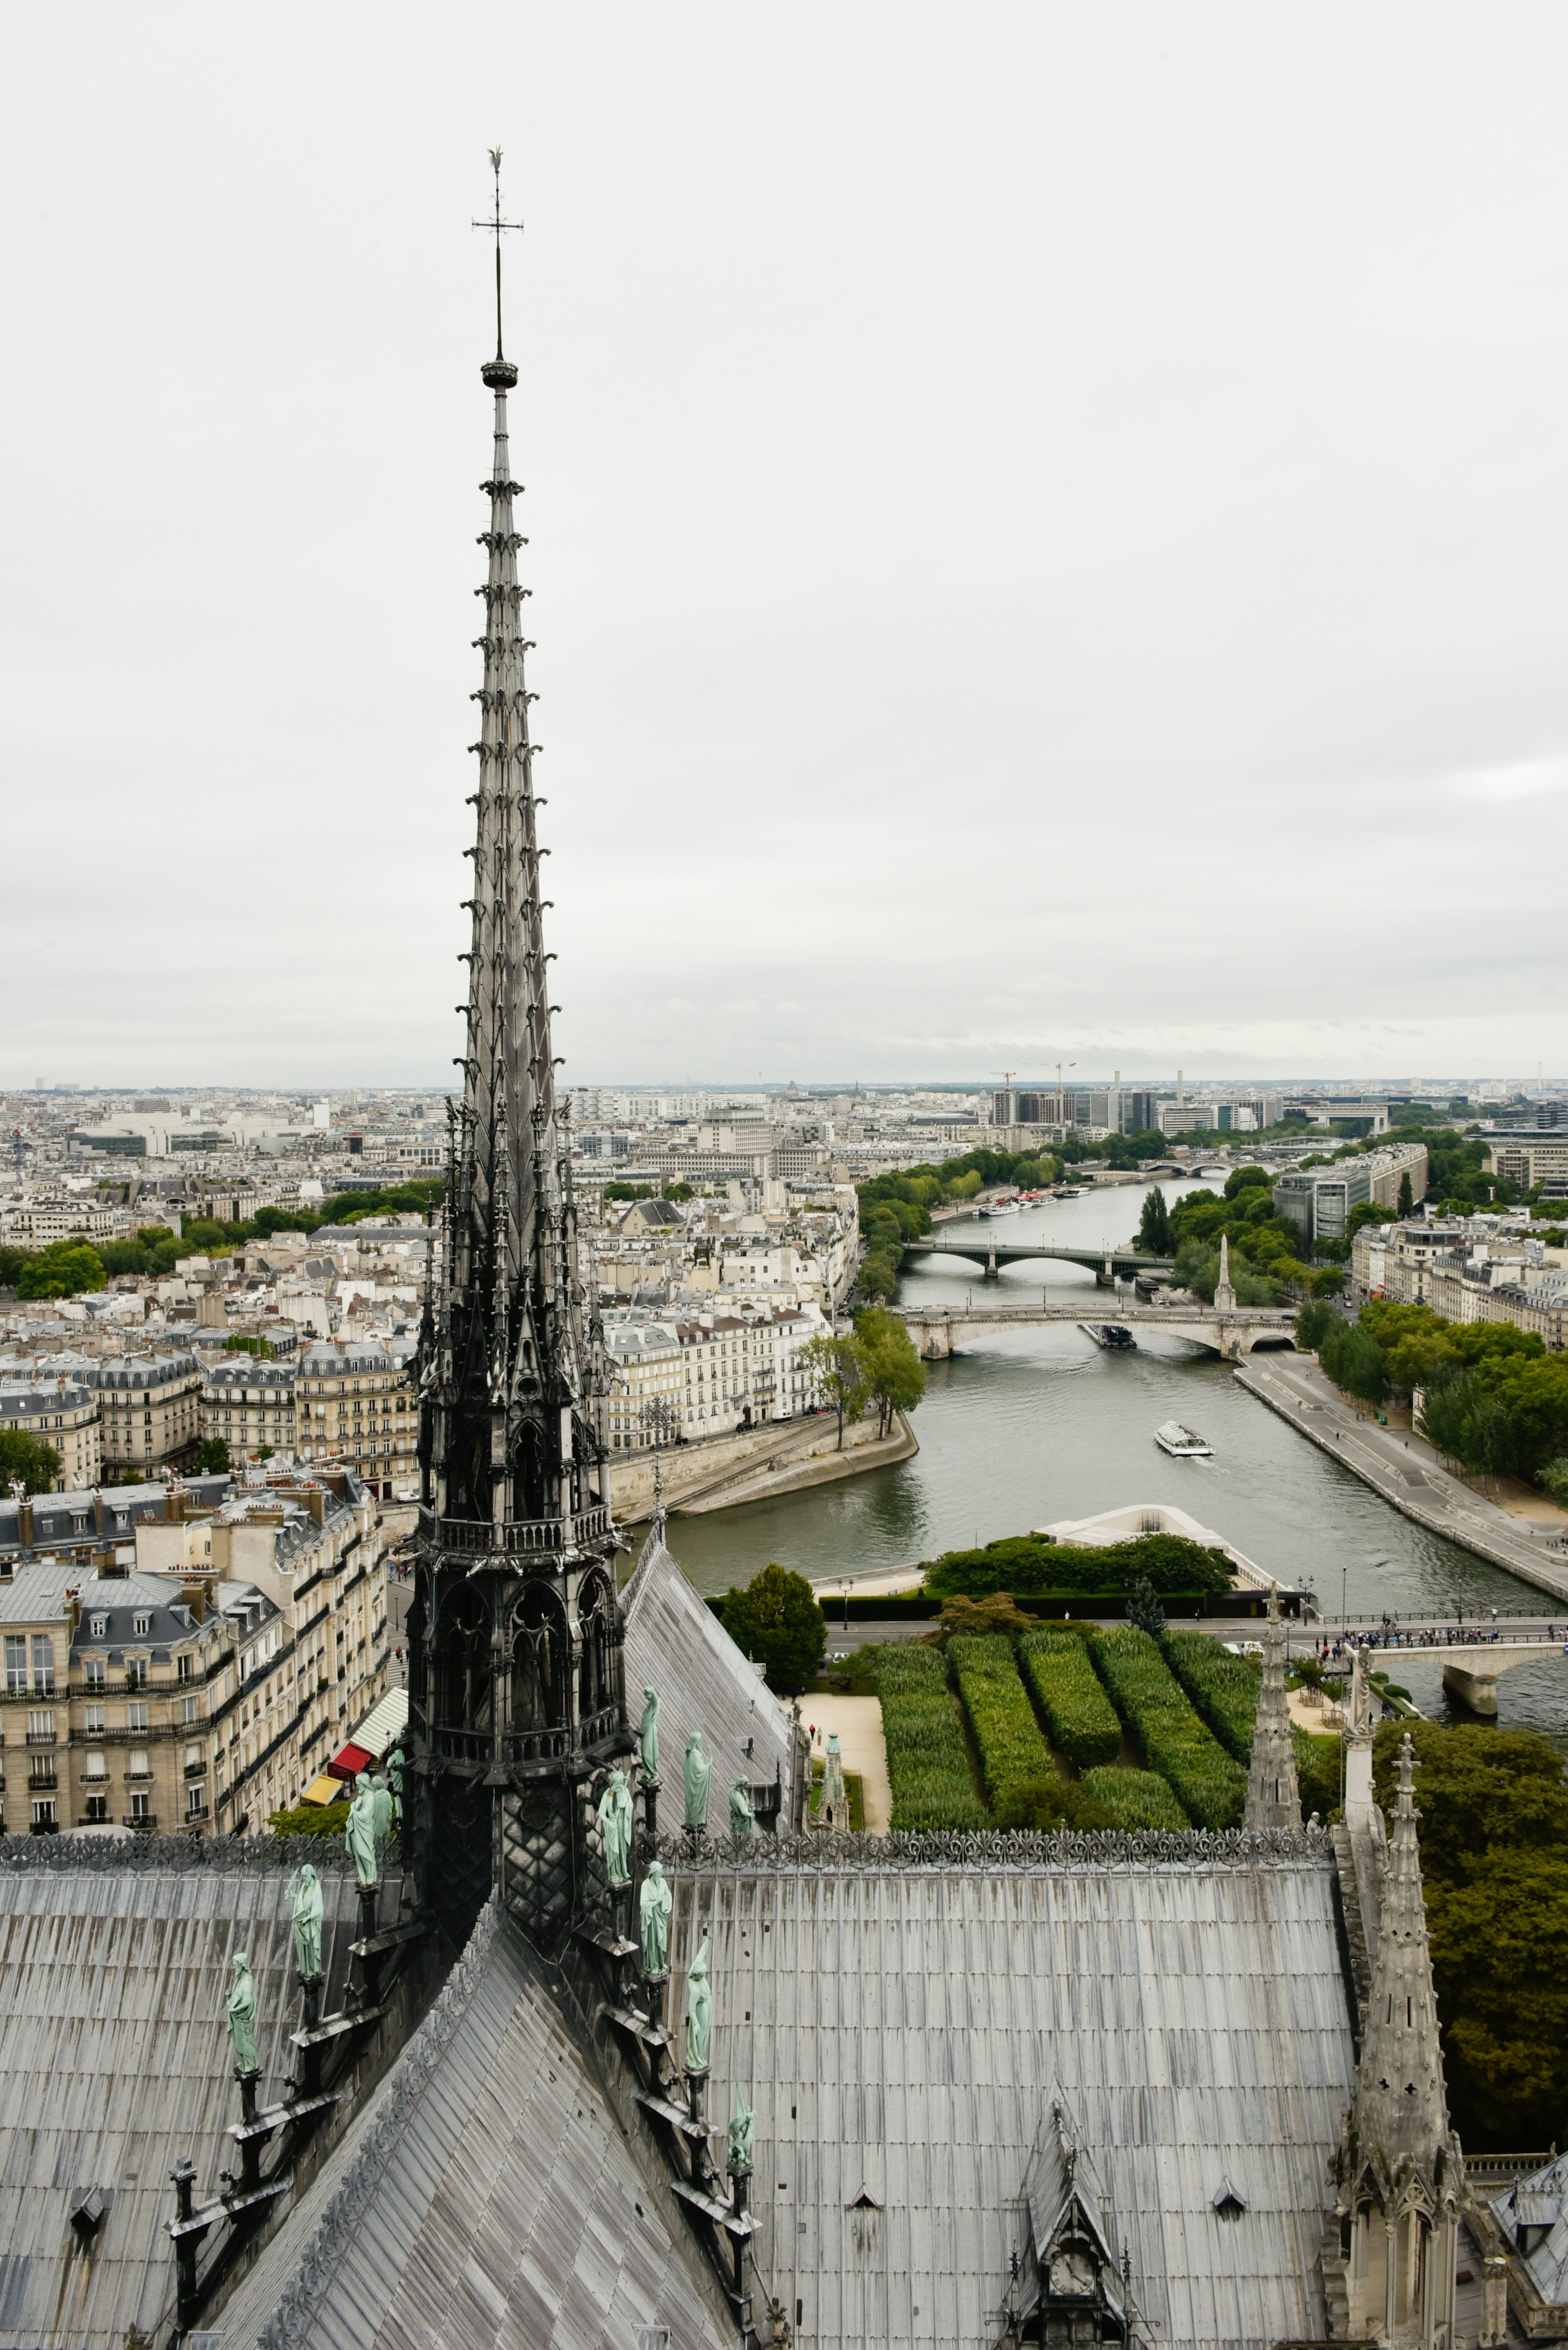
column 644, row 1361
column 354, row 1403
column 248, row 1401
column 197, row 1676
column 151, row 1410
column 1467, row 1270
column 60, row 1412
column 1528, row 1157
column 741, row 1370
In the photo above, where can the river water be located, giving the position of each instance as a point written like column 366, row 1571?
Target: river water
column 1030, row 1425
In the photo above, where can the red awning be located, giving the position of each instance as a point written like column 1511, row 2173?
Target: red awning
column 349, row 1760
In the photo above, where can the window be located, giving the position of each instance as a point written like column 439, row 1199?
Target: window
column 43, row 1665
column 135, row 1715
column 40, row 1729
column 195, row 1802
column 95, row 1672
column 92, row 1722
column 195, row 1758
column 96, row 1809
column 101, row 1628
column 44, row 1812
column 136, row 1672
column 15, row 1664
column 187, row 1709
column 142, row 1626
column 185, row 1666
column 140, row 1807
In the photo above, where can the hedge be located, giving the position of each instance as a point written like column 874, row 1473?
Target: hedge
column 1078, row 1714
column 1209, row 1785
column 1136, row 1799
column 1223, row 1687
column 927, row 1762
column 1012, row 1750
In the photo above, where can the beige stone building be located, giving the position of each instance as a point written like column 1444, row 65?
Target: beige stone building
column 60, row 1412
column 248, row 1401
column 151, row 1410
column 354, row 1403
column 196, row 1675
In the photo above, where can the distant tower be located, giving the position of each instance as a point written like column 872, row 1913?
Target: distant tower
column 1399, row 2171
column 1224, row 1293
column 516, row 1693
column 1274, row 1797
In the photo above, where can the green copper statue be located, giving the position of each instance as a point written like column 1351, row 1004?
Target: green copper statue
column 654, row 1904
column 305, row 1892
column 742, row 1818
column 395, row 1781
column 697, row 1769
column 741, row 2133
column 615, row 1820
column 648, row 1731
column 699, row 2012
column 381, row 1800
column 242, row 2013
column 360, row 1835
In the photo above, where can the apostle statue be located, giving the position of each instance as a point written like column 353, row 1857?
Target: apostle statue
column 648, row 1732
column 741, row 2133
column 697, row 1769
column 654, row 1904
column 304, row 1893
column 742, row 1818
column 242, row 2016
column 615, row 1821
column 382, row 1810
column 360, row 1835
column 699, row 2012
column 395, row 1781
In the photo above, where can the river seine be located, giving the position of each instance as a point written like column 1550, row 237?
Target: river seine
column 1030, row 1425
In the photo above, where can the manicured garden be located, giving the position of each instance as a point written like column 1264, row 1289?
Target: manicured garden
column 1079, row 1716
column 1209, row 1785
column 1007, row 1738
column 928, row 1761
column 1135, row 1799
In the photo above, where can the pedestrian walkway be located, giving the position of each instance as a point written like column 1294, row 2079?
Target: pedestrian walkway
column 857, row 1722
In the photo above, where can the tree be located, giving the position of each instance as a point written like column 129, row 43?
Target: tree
column 29, row 1460
column 211, row 1457
column 895, row 1375
column 1313, row 1324
column 838, row 1376
column 969, row 1618
column 1144, row 1610
column 678, row 1192
column 64, row 1269
column 1407, row 1196
column 1154, row 1225
column 776, row 1621
column 12, row 1259
column 1554, row 1478
column 1354, row 1360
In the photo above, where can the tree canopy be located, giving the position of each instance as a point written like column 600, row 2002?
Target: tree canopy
column 64, row 1269
column 776, row 1619
column 28, row 1460
column 894, row 1374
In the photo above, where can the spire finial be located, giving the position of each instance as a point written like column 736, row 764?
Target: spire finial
column 498, row 372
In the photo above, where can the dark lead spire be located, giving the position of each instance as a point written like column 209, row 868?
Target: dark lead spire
column 518, row 1663
column 498, row 372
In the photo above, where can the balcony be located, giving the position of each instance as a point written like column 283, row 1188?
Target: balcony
column 195, row 1770
column 42, row 1782
column 40, row 1738
column 523, row 1537
column 147, row 1821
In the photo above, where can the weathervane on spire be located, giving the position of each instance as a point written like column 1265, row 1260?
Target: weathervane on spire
column 498, row 372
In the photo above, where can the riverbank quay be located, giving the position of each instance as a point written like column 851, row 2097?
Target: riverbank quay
column 750, row 1465
column 1393, row 1466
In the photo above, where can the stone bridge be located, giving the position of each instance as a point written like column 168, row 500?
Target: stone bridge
column 1471, row 1667
column 939, row 1331
column 991, row 1256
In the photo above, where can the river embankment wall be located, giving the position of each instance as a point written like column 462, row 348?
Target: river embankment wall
column 1465, row 1525
column 750, row 1465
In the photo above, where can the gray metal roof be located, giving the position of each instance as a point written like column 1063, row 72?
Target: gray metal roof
column 1539, row 2201
column 902, row 2032
column 704, row 1683
column 114, row 2061
column 486, row 2196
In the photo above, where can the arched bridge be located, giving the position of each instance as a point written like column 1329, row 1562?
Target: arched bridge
column 1472, row 1661
column 939, row 1331
column 980, row 1249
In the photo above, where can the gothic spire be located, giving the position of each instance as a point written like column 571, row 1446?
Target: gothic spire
column 1274, row 1797
column 1401, row 2108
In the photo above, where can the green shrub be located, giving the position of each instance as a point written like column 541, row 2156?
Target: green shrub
column 1078, row 1714
column 1209, row 1785
column 1135, row 1799
column 1223, row 1687
column 310, row 1819
column 1047, row 1805
column 927, row 1762
column 1012, row 1750
column 1024, row 1563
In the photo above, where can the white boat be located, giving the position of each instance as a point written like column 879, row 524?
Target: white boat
column 1184, row 1442
column 1066, row 1191
column 1000, row 1208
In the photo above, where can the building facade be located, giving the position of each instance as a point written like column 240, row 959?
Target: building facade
column 62, row 1413
column 355, row 1403
column 151, row 1410
column 1319, row 1201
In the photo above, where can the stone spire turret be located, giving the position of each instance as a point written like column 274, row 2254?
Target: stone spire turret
column 1400, row 2170
column 1273, row 1796
column 518, row 1654
column 1224, row 1288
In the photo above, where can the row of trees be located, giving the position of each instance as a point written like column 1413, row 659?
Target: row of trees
column 1492, row 1398
column 873, row 1364
column 1263, row 1261
column 68, row 1268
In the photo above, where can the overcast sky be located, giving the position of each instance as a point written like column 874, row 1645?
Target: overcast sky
column 1049, row 534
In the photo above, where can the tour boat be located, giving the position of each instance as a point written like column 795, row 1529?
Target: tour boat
column 1066, row 1191
column 1184, row 1442
column 1113, row 1336
column 1000, row 1208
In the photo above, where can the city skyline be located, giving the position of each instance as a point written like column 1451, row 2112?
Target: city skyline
column 1044, row 543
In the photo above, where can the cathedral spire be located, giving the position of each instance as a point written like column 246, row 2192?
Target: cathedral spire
column 1274, row 1797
